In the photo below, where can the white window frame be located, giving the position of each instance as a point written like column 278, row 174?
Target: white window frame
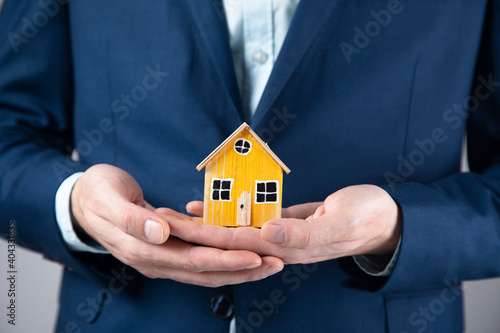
column 266, row 193
column 220, row 189
column 244, row 140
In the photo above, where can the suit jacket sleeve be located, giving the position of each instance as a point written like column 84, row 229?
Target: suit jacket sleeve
column 35, row 125
column 451, row 228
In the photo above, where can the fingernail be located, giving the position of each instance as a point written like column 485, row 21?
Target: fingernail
column 153, row 231
column 275, row 233
column 271, row 270
column 253, row 265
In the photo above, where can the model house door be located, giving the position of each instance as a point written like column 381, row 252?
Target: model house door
column 244, row 209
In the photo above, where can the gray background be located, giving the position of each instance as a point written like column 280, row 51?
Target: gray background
column 38, row 283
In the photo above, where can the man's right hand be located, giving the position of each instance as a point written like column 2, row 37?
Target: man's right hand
column 108, row 204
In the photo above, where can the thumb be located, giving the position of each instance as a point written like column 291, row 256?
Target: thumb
column 292, row 233
column 195, row 208
column 112, row 194
column 142, row 223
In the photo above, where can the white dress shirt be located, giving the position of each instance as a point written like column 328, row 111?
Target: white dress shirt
column 257, row 30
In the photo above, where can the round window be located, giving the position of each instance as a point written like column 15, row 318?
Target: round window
column 242, row 146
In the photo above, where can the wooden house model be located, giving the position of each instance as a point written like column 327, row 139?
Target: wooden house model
column 243, row 181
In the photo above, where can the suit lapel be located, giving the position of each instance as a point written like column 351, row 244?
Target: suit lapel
column 306, row 23
column 211, row 22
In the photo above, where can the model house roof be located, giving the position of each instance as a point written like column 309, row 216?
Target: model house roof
column 243, row 127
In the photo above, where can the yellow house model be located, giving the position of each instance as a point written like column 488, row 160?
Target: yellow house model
column 243, row 181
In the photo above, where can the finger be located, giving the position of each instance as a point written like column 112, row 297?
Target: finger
column 195, row 208
column 169, row 214
column 269, row 266
column 222, row 237
column 248, row 239
column 149, row 206
column 134, row 220
column 319, row 212
column 292, row 233
column 177, row 253
column 300, row 211
column 112, row 194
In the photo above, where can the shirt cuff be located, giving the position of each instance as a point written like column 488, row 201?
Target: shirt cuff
column 378, row 265
column 63, row 218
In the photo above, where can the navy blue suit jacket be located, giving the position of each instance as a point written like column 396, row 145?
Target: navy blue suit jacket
column 362, row 92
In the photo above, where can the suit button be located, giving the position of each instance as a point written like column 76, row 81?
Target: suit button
column 222, row 306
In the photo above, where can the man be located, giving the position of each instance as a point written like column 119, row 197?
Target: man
column 356, row 93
